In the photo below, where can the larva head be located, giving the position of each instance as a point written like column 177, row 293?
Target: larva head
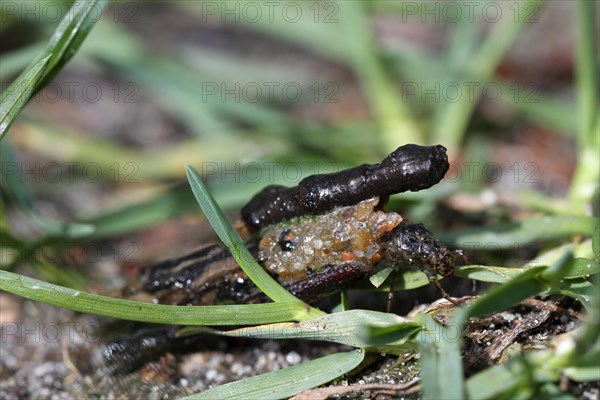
column 413, row 244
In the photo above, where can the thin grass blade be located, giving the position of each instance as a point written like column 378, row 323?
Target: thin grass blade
column 246, row 314
column 15, row 61
column 70, row 34
column 287, row 382
column 63, row 44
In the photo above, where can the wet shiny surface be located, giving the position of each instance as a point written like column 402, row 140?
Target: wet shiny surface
column 410, row 167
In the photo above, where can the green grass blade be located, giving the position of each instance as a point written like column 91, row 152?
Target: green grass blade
column 313, row 30
column 523, row 286
column 342, row 327
column 551, row 112
column 406, row 280
column 287, row 382
column 125, row 164
column 246, row 314
column 441, row 364
column 69, row 35
column 487, row 273
column 18, row 93
column 234, row 243
column 63, row 44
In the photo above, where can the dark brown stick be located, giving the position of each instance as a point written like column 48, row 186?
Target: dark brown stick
column 410, row 167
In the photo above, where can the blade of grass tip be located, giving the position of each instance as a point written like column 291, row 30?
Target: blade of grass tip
column 582, row 267
column 70, row 34
column 63, row 44
column 441, row 364
column 559, row 269
column 19, row 92
column 236, row 246
column 18, row 59
column 497, row 381
column 245, row 314
column 286, row 382
column 344, row 301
